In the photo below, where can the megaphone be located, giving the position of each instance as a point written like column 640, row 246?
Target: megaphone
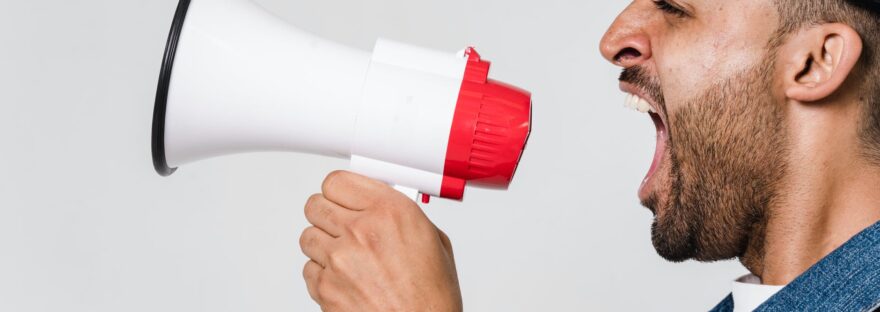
column 237, row 79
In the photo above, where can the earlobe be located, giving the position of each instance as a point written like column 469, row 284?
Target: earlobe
column 821, row 59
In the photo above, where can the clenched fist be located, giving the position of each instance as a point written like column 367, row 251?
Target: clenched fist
column 373, row 249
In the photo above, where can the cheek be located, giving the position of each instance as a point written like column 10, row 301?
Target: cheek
column 694, row 68
column 690, row 63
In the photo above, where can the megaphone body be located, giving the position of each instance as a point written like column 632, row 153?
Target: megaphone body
column 237, row 79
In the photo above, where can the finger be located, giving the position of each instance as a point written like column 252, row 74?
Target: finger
column 327, row 215
column 312, row 274
column 316, row 244
column 354, row 191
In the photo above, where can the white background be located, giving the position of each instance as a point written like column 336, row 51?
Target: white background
column 87, row 225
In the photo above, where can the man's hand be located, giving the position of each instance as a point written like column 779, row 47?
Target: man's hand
column 373, row 249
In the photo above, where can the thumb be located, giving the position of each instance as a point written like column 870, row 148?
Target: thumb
column 447, row 244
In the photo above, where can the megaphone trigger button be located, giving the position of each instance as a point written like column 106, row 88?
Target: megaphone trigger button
column 426, row 199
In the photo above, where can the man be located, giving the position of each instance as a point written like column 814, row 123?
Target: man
column 768, row 150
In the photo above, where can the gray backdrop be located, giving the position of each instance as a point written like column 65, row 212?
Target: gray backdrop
column 86, row 225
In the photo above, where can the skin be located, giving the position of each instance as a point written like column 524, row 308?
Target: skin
column 825, row 196
column 721, row 166
column 373, row 249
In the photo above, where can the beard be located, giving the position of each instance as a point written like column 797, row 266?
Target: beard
column 726, row 152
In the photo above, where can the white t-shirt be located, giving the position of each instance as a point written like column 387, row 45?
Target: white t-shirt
column 749, row 293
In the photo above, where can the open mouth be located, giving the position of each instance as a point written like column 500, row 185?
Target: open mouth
column 636, row 100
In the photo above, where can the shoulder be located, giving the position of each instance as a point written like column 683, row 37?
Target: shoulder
column 725, row 305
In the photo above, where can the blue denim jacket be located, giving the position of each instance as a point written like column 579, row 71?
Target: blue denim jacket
column 848, row 279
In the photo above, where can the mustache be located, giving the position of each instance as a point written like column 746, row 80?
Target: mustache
column 639, row 77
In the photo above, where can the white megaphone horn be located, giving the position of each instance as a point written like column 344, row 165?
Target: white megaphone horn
column 237, row 79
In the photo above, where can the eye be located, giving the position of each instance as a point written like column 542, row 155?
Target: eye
column 668, row 8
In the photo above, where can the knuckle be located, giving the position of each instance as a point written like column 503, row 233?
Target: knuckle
column 333, row 178
column 308, row 272
column 302, row 241
column 316, row 208
column 311, row 203
column 336, row 261
column 307, row 238
column 367, row 232
column 371, row 240
column 314, row 199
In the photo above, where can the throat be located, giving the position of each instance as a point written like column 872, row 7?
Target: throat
column 814, row 219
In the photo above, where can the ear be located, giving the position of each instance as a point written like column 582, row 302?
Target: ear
column 820, row 59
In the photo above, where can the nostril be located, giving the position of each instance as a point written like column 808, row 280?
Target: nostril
column 627, row 54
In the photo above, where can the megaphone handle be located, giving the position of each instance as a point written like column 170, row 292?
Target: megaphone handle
column 385, row 171
column 408, row 191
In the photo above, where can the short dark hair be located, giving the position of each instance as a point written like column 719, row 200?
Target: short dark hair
column 870, row 5
column 864, row 17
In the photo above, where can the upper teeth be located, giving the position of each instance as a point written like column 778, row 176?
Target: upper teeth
column 637, row 103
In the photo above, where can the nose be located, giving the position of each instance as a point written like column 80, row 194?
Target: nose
column 627, row 43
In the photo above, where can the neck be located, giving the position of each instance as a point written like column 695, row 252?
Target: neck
column 829, row 195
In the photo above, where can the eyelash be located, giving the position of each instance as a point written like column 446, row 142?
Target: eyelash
column 664, row 6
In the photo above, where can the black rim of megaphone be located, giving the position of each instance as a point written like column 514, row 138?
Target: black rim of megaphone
column 158, row 141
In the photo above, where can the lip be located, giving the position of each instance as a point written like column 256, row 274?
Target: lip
column 648, row 184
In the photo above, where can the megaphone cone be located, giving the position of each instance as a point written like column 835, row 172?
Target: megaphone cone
column 237, row 79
